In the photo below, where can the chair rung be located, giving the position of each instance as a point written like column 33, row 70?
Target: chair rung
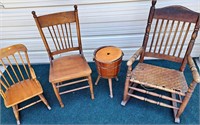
column 152, row 101
column 29, row 105
column 72, row 90
column 155, row 94
column 70, row 83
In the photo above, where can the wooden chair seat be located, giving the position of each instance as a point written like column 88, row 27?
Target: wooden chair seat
column 68, row 67
column 153, row 76
column 22, row 91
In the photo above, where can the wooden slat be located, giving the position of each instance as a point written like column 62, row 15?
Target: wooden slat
column 2, row 83
column 24, row 65
column 166, row 26
column 60, row 36
column 177, row 26
column 18, row 67
column 70, row 31
column 52, row 38
column 172, row 25
column 56, row 38
column 65, row 42
column 155, row 29
column 67, row 35
column 184, row 39
column 12, row 69
column 181, row 32
column 2, row 94
column 7, row 71
column 4, row 78
column 158, row 35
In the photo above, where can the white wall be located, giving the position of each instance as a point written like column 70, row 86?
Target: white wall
column 103, row 22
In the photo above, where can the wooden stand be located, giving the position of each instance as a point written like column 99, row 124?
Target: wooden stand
column 108, row 60
column 110, row 84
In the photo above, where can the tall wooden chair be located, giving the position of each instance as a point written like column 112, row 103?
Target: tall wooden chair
column 18, row 83
column 61, row 35
column 167, row 40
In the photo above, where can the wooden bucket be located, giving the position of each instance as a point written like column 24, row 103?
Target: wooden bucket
column 108, row 60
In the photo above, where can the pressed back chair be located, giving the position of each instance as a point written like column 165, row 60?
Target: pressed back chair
column 61, row 35
column 168, row 36
column 19, row 83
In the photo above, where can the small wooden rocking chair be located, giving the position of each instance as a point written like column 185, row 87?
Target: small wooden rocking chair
column 166, row 41
column 19, row 83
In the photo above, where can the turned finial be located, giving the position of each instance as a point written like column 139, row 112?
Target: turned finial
column 154, row 2
column 75, row 7
column 34, row 14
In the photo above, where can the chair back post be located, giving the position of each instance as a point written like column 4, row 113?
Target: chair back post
column 78, row 29
column 148, row 28
column 191, row 44
column 42, row 35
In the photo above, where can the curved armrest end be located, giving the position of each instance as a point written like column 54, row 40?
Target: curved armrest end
column 135, row 56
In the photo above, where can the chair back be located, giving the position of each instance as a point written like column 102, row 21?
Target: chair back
column 60, row 32
column 170, row 33
column 13, row 59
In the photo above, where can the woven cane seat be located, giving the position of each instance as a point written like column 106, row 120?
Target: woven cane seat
column 159, row 76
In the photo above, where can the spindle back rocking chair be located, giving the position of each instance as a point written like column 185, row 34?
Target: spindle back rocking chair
column 61, row 36
column 168, row 36
column 18, row 83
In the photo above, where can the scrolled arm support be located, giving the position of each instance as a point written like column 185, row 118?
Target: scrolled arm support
column 193, row 68
column 134, row 57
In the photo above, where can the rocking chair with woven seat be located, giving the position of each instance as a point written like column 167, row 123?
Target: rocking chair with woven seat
column 167, row 40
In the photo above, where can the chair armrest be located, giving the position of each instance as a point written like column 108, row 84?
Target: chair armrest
column 193, row 68
column 135, row 56
column 32, row 73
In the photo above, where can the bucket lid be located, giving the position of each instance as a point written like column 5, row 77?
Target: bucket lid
column 108, row 54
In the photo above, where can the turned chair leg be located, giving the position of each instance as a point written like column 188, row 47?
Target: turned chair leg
column 91, row 87
column 110, row 87
column 16, row 113
column 125, row 98
column 186, row 99
column 177, row 119
column 57, row 95
column 44, row 101
column 98, row 78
